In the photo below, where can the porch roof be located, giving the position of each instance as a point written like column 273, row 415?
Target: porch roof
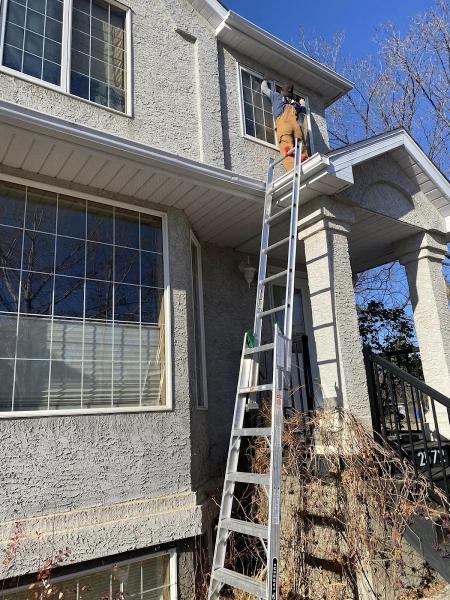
column 410, row 158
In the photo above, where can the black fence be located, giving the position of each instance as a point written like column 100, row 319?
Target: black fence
column 409, row 415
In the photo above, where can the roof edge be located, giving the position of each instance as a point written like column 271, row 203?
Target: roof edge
column 288, row 52
column 221, row 19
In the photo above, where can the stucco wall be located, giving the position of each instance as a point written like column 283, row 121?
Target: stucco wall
column 185, row 92
column 381, row 186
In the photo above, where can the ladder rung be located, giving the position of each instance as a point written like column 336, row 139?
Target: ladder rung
column 278, row 201
column 265, row 313
column 252, row 432
column 241, row 582
column 254, row 389
column 256, row 478
column 276, row 276
column 257, row 349
column 245, row 527
column 277, row 244
column 278, row 214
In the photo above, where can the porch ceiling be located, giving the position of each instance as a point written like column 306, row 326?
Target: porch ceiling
column 371, row 240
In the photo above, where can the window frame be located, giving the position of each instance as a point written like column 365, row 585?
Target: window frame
column 168, row 406
column 173, row 572
column 66, row 45
column 297, row 91
column 200, row 353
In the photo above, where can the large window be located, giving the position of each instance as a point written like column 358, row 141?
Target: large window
column 257, row 116
column 150, row 578
column 79, row 46
column 82, row 322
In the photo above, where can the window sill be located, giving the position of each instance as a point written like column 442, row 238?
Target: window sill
column 261, row 142
column 55, row 88
column 37, row 414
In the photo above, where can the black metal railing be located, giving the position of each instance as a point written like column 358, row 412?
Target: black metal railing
column 410, row 417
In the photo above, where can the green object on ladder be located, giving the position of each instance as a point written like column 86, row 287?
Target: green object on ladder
column 249, row 339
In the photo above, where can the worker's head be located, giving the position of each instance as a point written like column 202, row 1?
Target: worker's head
column 287, row 89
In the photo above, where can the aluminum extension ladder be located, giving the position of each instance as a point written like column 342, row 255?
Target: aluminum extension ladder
column 278, row 192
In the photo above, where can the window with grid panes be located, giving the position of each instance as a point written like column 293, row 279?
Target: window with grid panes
column 90, row 63
column 150, row 578
column 258, row 117
column 81, row 304
column 257, row 110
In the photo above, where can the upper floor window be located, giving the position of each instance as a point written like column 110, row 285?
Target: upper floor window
column 77, row 46
column 82, row 304
column 257, row 117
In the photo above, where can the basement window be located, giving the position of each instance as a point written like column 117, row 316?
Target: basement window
column 76, row 46
column 257, row 117
column 83, row 305
column 146, row 578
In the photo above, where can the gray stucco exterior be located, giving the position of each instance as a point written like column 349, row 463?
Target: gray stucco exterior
column 104, row 484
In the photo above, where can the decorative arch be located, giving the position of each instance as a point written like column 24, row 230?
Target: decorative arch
column 388, row 198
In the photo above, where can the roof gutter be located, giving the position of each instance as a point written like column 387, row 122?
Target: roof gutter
column 159, row 160
column 287, row 52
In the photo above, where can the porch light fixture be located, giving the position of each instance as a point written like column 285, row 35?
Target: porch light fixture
column 248, row 270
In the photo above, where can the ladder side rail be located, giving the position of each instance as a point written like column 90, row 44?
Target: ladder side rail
column 245, row 373
column 262, row 270
column 273, row 548
column 287, row 329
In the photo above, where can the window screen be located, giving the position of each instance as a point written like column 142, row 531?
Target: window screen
column 33, row 37
column 81, row 304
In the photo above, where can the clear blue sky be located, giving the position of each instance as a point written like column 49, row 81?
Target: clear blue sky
column 358, row 18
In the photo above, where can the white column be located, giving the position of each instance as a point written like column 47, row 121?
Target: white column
column 324, row 230
column 422, row 256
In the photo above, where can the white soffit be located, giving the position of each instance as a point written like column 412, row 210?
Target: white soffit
column 409, row 156
column 222, row 207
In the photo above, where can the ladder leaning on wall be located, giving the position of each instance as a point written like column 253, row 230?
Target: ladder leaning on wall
column 281, row 201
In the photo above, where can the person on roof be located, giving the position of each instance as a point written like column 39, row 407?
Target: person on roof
column 286, row 112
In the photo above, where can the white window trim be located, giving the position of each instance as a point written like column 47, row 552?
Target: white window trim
column 204, row 382
column 297, row 91
column 64, row 87
column 167, row 308
column 173, row 572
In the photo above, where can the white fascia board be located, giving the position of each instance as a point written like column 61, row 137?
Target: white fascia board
column 159, row 160
column 340, row 84
column 359, row 152
column 214, row 12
